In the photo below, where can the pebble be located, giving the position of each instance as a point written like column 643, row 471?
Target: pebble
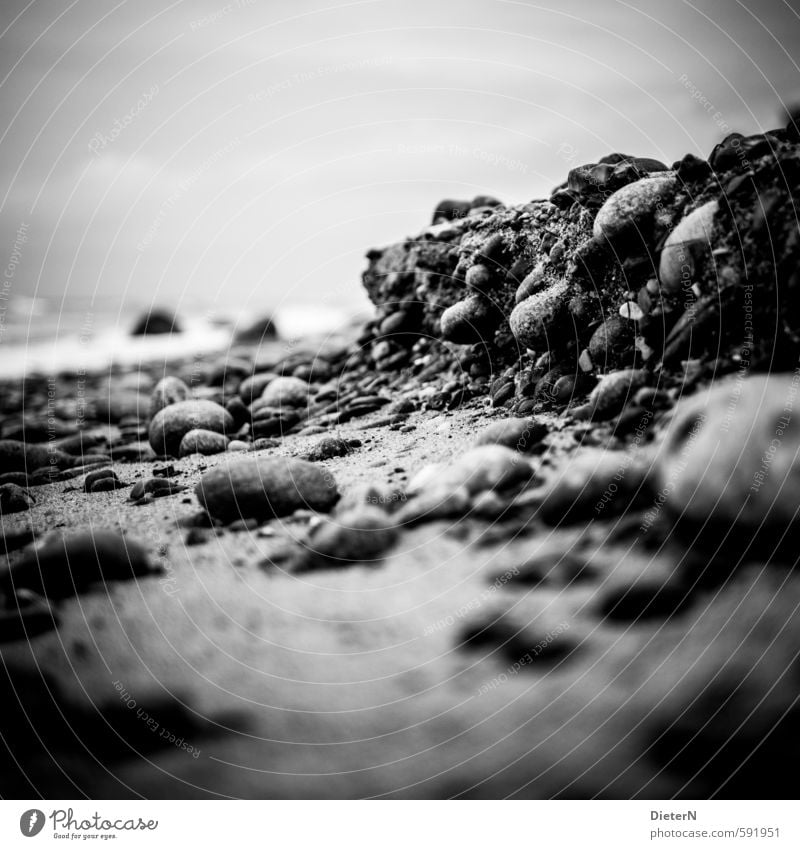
column 686, row 245
column 70, row 563
column 486, row 467
column 358, row 535
column 253, row 387
column 520, row 434
column 631, row 311
column 631, row 217
column 156, row 488
column 531, row 283
column 479, row 278
column 539, row 320
column 467, row 321
column 238, row 445
column 14, row 499
column 731, row 457
column 612, row 343
column 286, row 392
column 265, row 487
column 171, row 424
column 201, row 441
column 168, row 390
column 102, row 480
column 614, row 391
column 436, row 502
column 325, row 449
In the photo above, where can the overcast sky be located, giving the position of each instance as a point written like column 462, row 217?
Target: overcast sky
column 247, row 154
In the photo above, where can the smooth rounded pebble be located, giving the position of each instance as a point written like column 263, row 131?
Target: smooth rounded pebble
column 689, row 242
column 541, row 316
column 519, row 434
column 286, row 392
column 171, row 424
column 168, row 390
column 466, row 322
column 201, row 441
column 615, row 390
column 68, row 564
column 14, row 498
column 266, row 487
column 359, row 535
column 632, row 214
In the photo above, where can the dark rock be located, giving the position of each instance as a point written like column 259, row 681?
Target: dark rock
column 261, row 329
column 265, row 487
column 100, row 476
column 468, row 321
column 156, row 321
column 327, row 448
column 14, row 499
column 66, row 565
column 171, row 424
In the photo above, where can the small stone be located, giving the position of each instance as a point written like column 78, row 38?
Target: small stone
column 533, row 282
column 155, row 487
column 631, row 311
column 520, row 434
column 253, row 387
column 467, row 322
column 68, row 564
column 436, row 502
column 286, row 392
column 156, row 321
column 265, row 487
column 359, row 535
column 394, row 323
column 633, row 216
column 327, row 448
column 479, row 278
column 612, row 343
column 101, row 475
column 171, row 424
column 615, row 390
column 201, row 441
column 14, row 499
column 238, row 445
column 168, row 390
column 687, row 245
column 539, row 321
